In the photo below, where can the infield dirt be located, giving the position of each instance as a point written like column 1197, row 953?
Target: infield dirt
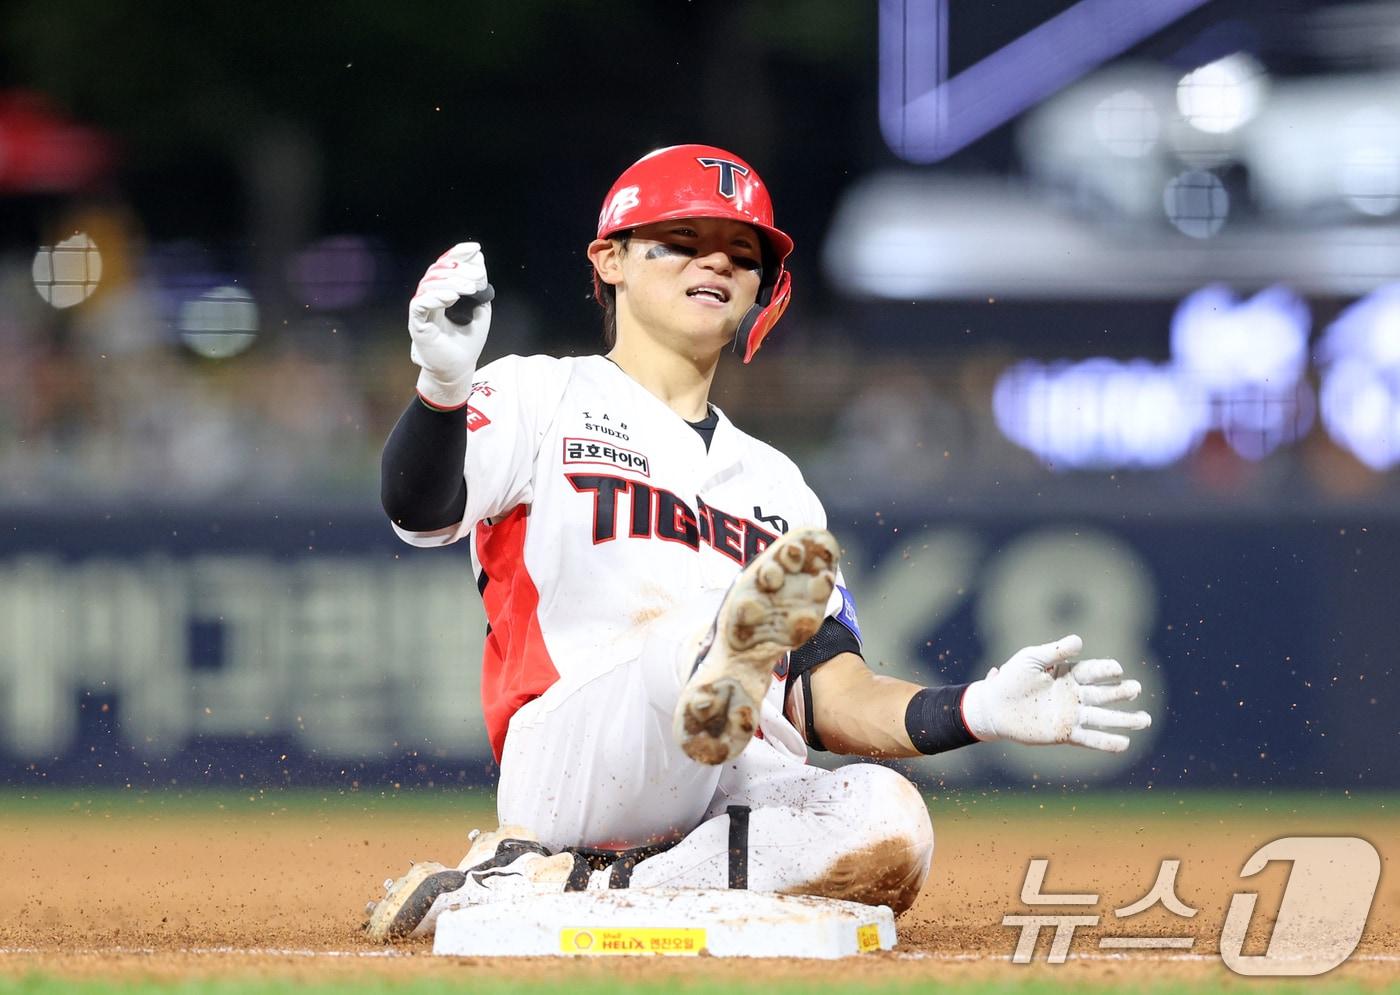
column 207, row 886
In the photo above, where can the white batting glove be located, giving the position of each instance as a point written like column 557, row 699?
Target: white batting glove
column 1038, row 698
column 448, row 352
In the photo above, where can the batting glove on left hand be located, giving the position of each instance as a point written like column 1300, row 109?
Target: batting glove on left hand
column 1038, row 698
column 446, row 351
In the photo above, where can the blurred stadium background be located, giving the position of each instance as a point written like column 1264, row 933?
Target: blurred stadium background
column 1115, row 350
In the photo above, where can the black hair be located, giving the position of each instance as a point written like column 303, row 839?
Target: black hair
column 609, row 295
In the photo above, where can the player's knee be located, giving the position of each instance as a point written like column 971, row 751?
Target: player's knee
column 892, row 839
column 893, row 806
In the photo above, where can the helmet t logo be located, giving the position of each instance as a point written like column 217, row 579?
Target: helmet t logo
column 727, row 169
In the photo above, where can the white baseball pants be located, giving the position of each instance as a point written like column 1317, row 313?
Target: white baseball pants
column 597, row 766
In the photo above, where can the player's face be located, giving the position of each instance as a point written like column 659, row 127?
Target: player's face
column 692, row 279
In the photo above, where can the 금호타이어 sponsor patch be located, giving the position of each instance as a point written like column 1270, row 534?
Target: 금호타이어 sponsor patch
column 605, row 454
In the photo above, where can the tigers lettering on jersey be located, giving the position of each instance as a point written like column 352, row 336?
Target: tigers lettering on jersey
column 559, row 502
column 656, row 513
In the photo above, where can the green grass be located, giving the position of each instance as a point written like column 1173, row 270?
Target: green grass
column 457, row 986
column 946, row 805
column 46, row 802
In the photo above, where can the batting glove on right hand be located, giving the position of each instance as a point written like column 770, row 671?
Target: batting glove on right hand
column 1038, row 698
column 446, row 351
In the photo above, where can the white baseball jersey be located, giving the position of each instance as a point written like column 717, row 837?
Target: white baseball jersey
column 595, row 509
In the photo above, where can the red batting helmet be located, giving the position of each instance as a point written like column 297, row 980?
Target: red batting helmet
column 701, row 181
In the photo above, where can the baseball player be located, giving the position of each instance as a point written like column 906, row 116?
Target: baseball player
column 670, row 631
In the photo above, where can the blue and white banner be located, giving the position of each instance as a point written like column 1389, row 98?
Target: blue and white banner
column 304, row 648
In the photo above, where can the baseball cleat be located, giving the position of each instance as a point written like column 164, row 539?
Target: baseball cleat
column 407, row 901
column 507, row 861
column 774, row 606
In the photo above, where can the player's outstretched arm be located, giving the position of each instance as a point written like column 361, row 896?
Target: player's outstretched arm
column 1038, row 697
column 858, row 712
column 422, row 486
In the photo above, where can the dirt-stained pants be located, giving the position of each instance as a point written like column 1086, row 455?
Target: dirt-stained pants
column 598, row 767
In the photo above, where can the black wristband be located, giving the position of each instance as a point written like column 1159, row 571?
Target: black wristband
column 934, row 720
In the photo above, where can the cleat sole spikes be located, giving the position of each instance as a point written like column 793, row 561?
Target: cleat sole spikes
column 775, row 605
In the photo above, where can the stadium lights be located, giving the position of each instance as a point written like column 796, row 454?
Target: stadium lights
column 220, row 323
column 1370, row 170
column 1196, row 203
column 1225, row 344
column 1323, row 143
column 1222, row 95
column 1237, row 367
column 67, row 273
column 1360, row 395
column 1100, row 413
column 1249, row 357
column 1126, row 123
column 907, row 236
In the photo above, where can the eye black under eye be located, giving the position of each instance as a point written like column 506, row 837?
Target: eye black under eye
column 661, row 249
column 744, row 262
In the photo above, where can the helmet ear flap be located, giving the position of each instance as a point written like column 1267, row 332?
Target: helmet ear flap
column 763, row 315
